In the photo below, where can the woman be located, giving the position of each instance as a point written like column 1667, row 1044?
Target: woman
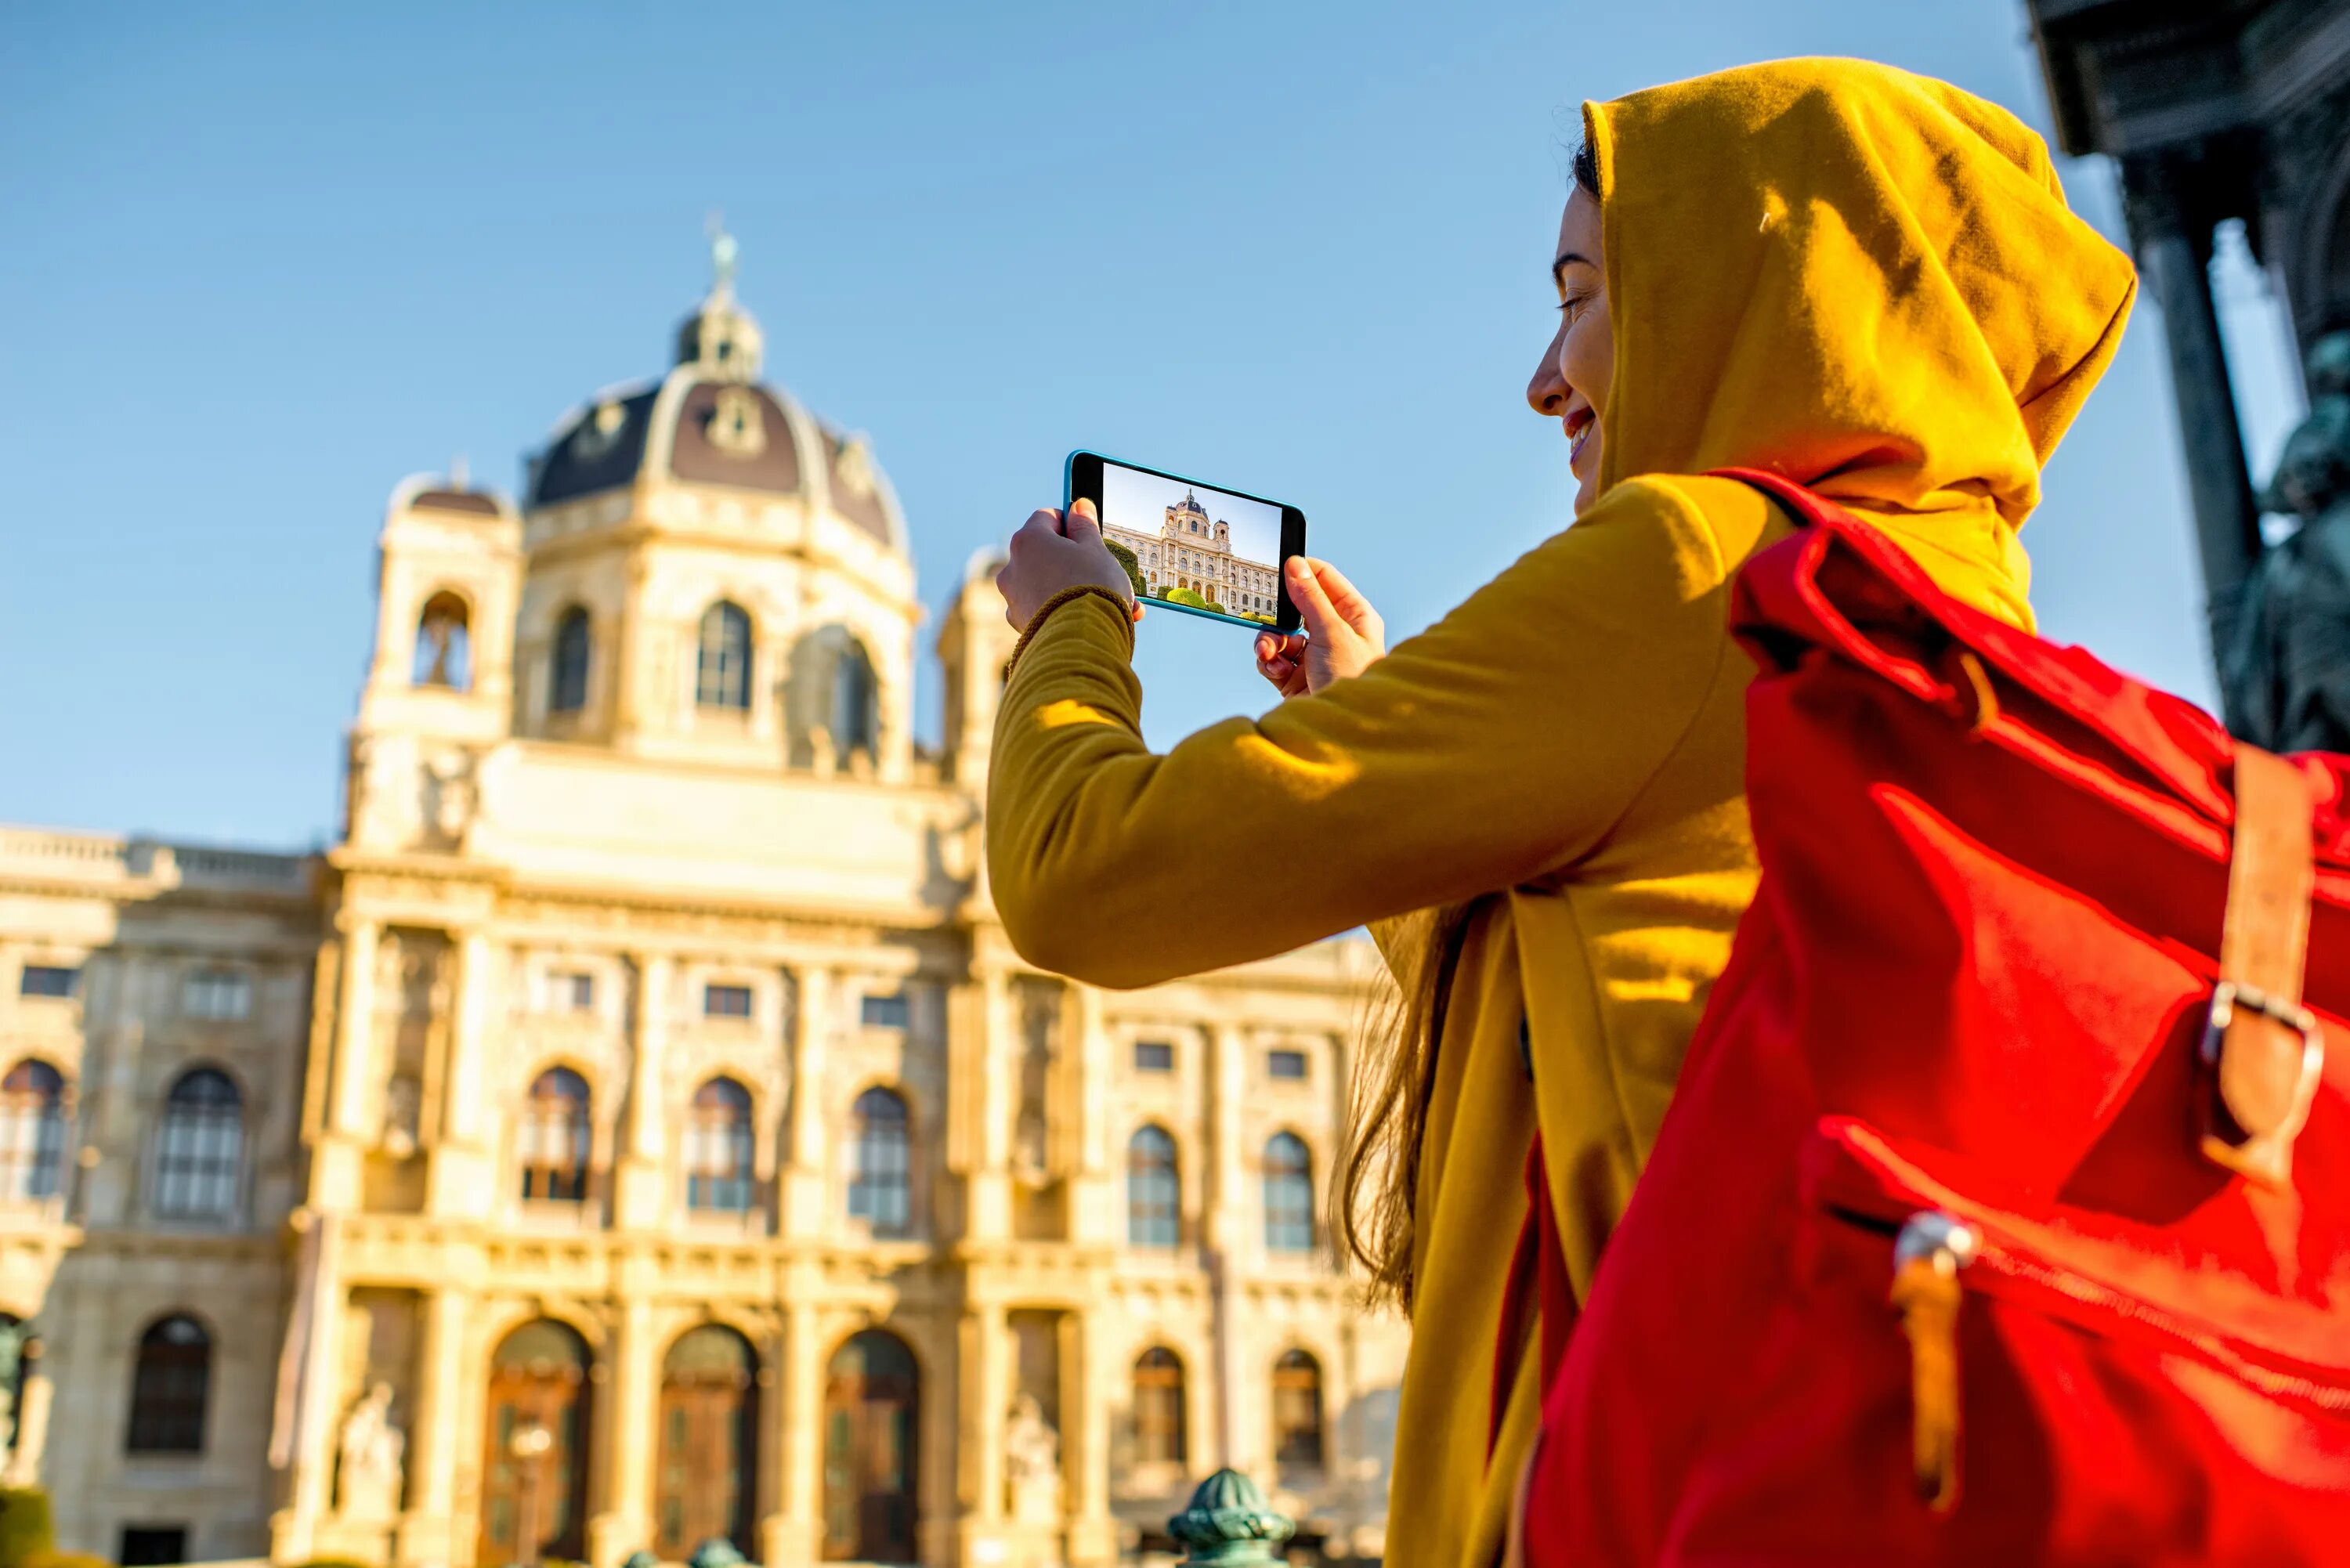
column 1864, row 279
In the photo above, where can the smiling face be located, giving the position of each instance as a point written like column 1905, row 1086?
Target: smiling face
column 1571, row 383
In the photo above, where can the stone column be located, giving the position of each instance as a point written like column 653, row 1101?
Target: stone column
column 991, row 1087
column 627, row 1441
column 1230, row 1240
column 427, row 1535
column 1096, row 1214
column 462, row 1174
column 775, row 1534
column 640, row 1195
column 802, row 1449
column 984, row 1399
column 1088, row 1385
column 355, row 1032
column 110, row 1103
column 318, row 1399
column 806, row 1185
column 2174, row 252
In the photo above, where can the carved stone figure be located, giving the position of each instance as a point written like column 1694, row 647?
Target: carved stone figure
column 2288, row 674
column 1031, row 1464
column 403, row 1100
column 450, row 796
column 373, row 1450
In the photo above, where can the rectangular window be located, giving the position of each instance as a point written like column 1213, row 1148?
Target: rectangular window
column 47, row 979
column 884, row 1011
column 1154, row 1056
column 1285, row 1065
column 221, row 995
column 726, row 1002
column 572, row 991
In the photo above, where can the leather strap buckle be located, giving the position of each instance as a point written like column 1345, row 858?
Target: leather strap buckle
column 2265, row 1157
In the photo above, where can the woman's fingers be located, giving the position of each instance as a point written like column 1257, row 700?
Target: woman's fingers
column 1344, row 599
column 1082, row 523
column 1305, row 590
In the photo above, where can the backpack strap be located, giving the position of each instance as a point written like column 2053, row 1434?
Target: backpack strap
column 2265, row 1049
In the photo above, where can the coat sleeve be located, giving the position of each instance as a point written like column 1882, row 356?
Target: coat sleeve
column 1496, row 747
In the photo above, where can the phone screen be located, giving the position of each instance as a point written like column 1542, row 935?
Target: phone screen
column 1192, row 547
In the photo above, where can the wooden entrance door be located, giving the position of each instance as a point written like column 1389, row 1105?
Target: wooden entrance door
column 872, row 1414
column 706, row 1486
column 534, row 1448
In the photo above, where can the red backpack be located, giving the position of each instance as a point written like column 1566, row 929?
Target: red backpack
column 2003, row 1212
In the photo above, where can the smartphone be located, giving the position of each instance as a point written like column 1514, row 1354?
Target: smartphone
column 1193, row 547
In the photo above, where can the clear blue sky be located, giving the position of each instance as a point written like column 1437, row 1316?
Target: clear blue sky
column 262, row 262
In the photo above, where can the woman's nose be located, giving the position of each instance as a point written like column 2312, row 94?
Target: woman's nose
column 1547, row 393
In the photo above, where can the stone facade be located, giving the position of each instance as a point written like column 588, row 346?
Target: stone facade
column 636, row 1128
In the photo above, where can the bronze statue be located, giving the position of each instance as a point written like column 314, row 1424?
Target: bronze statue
column 2288, row 673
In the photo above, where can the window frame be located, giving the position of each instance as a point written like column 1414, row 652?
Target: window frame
column 209, row 978
column 33, row 1124
column 718, row 1123
column 1158, row 1397
column 570, row 656
column 1286, row 1192
column 881, row 1190
column 542, row 1180
column 199, row 1159
column 726, row 654
column 71, row 984
column 1278, row 1061
column 1154, row 1190
column 178, row 1425
column 1166, row 1046
column 712, row 989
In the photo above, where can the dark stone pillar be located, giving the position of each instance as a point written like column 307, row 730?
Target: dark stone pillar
column 2174, row 253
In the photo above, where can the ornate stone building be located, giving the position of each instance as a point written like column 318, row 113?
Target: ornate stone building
column 636, row 1129
column 1190, row 551
column 2215, row 109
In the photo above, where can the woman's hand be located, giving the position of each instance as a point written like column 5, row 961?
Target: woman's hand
column 1052, row 552
column 1344, row 635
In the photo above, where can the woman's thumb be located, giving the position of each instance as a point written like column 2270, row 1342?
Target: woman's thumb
column 1313, row 604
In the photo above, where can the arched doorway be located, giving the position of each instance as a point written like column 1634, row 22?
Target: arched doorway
column 706, row 1483
column 534, row 1448
column 872, row 1414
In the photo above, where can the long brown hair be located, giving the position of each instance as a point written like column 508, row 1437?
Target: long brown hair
column 1374, row 1201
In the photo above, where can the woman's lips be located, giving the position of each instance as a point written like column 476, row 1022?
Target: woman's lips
column 1580, row 423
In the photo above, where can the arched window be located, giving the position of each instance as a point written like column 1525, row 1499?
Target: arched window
column 723, row 675
column 171, row 1383
column 567, row 678
column 1153, row 1189
column 856, row 722
column 718, row 1148
column 880, row 1183
column 1288, row 1195
column 705, row 1478
column 1297, row 1410
column 533, row 1491
column 1160, row 1431
column 32, row 1132
column 553, row 1141
column 444, row 650
column 199, row 1147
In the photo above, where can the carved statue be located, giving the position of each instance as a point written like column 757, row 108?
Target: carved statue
column 403, row 1117
column 372, row 1452
column 2288, row 675
column 1031, row 1463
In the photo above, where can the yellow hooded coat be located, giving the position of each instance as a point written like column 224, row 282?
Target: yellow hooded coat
column 1864, row 279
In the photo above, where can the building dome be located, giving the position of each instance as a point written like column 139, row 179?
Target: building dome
column 712, row 422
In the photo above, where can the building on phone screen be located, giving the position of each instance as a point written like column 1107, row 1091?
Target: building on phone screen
column 1194, row 554
column 634, row 1130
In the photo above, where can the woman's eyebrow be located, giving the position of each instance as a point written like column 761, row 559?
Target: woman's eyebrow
column 1565, row 257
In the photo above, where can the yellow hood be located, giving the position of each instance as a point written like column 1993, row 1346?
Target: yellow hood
column 1861, row 278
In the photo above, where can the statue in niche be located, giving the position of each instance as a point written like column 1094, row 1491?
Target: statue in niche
column 404, row 1105
column 450, row 796
column 2287, row 677
column 1031, row 1464
column 372, row 1452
